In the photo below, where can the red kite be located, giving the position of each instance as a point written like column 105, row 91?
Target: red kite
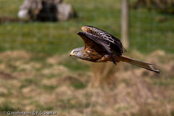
column 101, row 46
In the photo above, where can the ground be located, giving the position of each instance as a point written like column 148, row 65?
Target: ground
column 41, row 82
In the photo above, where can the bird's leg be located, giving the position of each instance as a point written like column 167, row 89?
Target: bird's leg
column 106, row 58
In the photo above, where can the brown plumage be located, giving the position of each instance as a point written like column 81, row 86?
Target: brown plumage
column 101, row 46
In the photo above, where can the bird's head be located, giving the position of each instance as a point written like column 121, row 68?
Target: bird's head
column 77, row 52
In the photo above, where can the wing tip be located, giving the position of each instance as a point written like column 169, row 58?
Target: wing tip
column 79, row 33
column 113, row 60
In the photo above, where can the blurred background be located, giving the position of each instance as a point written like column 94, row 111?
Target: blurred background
column 37, row 74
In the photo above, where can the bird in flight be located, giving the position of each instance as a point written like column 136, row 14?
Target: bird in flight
column 101, row 46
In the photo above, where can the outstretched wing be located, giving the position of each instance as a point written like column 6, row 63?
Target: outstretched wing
column 116, row 45
column 89, row 43
column 93, row 49
column 97, row 43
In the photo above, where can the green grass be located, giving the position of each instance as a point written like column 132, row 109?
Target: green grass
column 7, row 106
column 146, row 33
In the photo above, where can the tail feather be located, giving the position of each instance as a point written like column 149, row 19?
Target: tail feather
column 137, row 63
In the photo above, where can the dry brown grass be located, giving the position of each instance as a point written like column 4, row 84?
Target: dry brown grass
column 42, row 83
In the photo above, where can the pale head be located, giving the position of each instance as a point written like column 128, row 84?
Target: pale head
column 77, row 52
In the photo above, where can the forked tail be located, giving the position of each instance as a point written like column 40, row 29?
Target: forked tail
column 137, row 63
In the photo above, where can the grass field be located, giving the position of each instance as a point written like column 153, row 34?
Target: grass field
column 147, row 32
column 36, row 72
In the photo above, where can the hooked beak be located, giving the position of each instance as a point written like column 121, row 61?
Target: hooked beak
column 71, row 54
